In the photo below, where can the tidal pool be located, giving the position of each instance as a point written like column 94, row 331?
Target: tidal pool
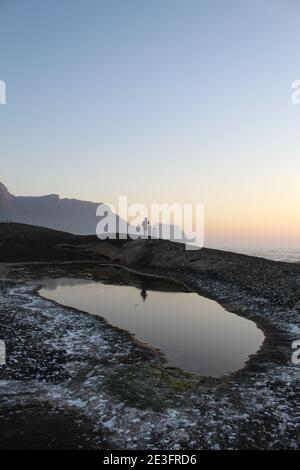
column 194, row 333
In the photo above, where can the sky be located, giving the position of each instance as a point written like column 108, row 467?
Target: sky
column 174, row 101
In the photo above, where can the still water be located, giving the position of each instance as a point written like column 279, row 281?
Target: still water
column 195, row 333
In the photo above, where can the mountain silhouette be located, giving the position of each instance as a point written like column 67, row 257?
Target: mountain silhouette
column 51, row 211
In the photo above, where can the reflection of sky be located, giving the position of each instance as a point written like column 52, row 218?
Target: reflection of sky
column 173, row 101
column 195, row 333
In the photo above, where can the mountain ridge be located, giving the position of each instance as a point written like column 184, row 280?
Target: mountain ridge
column 50, row 211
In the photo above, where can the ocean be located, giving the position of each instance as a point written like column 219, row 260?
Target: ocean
column 291, row 255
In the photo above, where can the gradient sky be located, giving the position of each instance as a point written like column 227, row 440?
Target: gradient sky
column 161, row 100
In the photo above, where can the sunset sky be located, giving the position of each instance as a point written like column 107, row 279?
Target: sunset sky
column 183, row 101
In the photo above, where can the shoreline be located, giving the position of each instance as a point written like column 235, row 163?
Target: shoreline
column 269, row 363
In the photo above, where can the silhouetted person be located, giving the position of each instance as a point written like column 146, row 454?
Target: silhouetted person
column 145, row 224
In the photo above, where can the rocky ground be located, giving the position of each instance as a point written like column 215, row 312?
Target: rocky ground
column 73, row 381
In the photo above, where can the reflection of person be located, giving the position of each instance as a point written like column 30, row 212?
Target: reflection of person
column 144, row 293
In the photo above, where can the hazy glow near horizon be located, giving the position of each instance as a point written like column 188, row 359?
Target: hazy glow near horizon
column 164, row 101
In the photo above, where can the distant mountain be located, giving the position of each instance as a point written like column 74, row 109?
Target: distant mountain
column 68, row 215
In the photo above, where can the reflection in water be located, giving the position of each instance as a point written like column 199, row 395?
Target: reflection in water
column 144, row 293
column 195, row 333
